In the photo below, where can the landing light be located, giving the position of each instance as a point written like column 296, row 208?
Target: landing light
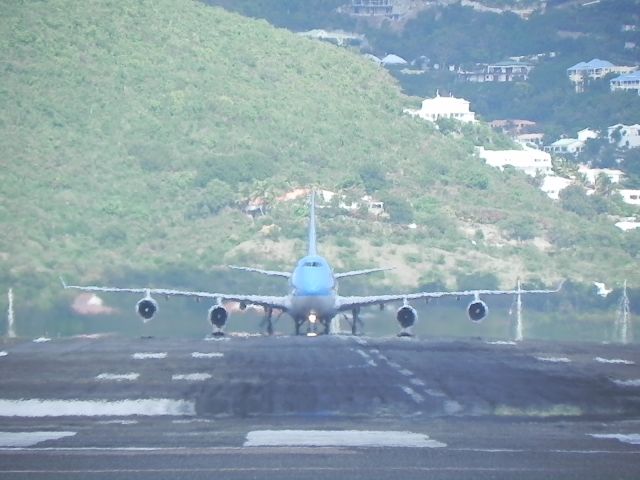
column 312, row 334
column 312, row 318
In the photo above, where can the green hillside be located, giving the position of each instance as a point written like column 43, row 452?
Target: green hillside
column 132, row 132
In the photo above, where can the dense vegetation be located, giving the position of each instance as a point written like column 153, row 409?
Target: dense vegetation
column 132, row 134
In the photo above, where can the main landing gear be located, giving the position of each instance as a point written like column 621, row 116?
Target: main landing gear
column 355, row 320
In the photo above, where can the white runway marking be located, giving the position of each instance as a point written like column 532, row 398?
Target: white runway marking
column 614, row 360
column 627, row 383
column 117, row 422
column 413, row 394
column 118, row 377
column 554, row 359
column 360, row 340
column 95, row 408
column 417, row 382
column 632, row 438
column 192, row 420
column 28, row 439
column 217, row 339
column 501, row 342
column 41, row 340
column 406, row 373
column 394, row 365
column 339, row 438
column 192, row 377
column 3, row 354
column 367, row 357
column 207, row 355
column 146, row 355
column 434, row 393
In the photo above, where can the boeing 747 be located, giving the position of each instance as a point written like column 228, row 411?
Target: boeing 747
column 313, row 298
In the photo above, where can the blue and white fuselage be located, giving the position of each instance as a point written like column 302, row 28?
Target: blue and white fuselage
column 313, row 290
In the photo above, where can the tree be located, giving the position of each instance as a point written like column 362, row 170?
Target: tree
column 604, row 185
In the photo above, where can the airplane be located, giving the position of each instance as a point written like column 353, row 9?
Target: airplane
column 313, row 297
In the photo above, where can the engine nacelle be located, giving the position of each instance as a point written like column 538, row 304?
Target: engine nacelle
column 406, row 316
column 218, row 316
column 146, row 308
column 477, row 310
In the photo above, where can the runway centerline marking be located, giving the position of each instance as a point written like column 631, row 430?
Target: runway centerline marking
column 339, row 438
column 367, row 357
column 415, row 396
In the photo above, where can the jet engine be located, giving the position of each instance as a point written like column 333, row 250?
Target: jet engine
column 406, row 316
column 147, row 308
column 218, row 316
column 477, row 310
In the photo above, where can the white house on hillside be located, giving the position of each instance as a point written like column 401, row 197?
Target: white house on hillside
column 444, row 107
column 629, row 135
column 630, row 81
column 630, row 196
column 572, row 146
column 530, row 160
column 592, row 173
column 552, row 185
column 392, row 59
column 593, row 70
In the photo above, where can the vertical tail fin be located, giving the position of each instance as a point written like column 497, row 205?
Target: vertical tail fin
column 312, row 225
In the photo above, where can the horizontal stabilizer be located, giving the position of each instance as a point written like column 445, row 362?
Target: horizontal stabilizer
column 353, row 273
column 272, row 273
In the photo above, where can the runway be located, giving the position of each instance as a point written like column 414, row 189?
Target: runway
column 324, row 407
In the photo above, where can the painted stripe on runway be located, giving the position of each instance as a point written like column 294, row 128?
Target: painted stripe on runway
column 627, row 383
column 28, row 439
column 192, row 377
column 614, row 360
column 370, row 361
column 339, row 438
column 3, row 354
column 147, row 355
column 554, row 359
column 632, row 438
column 415, row 396
column 95, row 408
column 207, row 355
column 118, row 377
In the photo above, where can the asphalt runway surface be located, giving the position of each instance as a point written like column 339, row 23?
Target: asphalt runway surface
column 323, row 407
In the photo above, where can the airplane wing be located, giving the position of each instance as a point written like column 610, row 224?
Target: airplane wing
column 279, row 303
column 350, row 302
column 272, row 273
column 360, row 272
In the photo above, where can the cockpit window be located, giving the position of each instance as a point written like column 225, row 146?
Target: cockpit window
column 312, row 264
